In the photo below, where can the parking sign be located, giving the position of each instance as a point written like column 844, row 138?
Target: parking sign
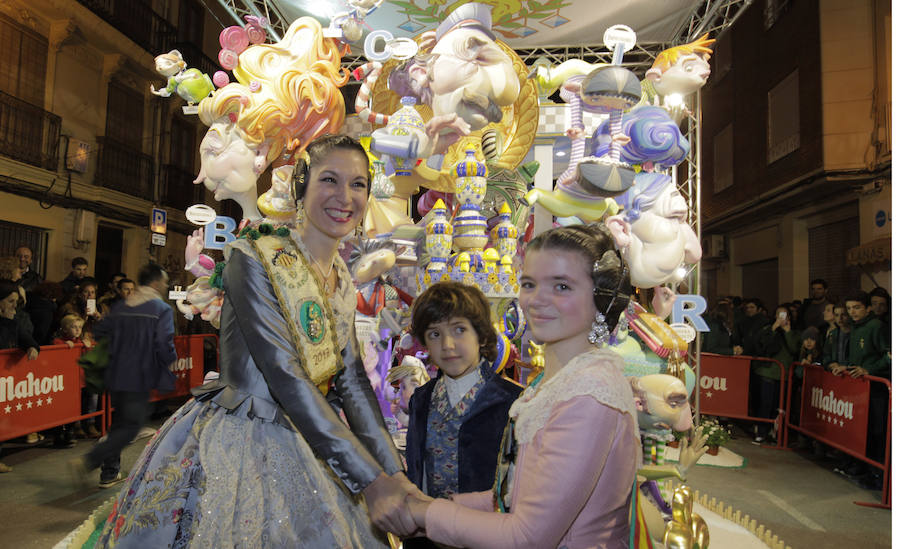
column 158, row 221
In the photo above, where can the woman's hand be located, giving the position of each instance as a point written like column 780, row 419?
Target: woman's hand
column 418, row 507
column 386, row 499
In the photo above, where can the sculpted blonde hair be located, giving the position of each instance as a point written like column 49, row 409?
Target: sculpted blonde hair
column 669, row 57
column 297, row 98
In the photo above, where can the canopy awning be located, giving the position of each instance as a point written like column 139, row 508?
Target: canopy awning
column 873, row 252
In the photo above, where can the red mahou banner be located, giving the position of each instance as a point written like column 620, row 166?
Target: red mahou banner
column 35, row 393
column 724, row 385
column 835, row 408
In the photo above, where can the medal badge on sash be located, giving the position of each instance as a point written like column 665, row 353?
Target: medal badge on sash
column 301, row 297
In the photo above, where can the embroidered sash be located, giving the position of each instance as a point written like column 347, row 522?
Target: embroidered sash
column 301, row 297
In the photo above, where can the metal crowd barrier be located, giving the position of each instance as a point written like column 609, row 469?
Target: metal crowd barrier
column 834, row 409
column 724, row 389
column 36, row 395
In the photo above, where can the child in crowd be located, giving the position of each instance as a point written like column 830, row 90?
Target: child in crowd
column 810, row 350
column 71, row 331
column 456, row 420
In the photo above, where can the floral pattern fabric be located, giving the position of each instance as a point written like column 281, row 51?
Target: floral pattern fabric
column 442, row 439
column 210, row 478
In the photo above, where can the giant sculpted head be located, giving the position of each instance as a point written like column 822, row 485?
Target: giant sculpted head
column 461, row 73
column 286, row 95
column 652, row 231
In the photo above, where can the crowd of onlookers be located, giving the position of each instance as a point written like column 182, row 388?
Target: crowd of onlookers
column 848, row 336
column 35, row 312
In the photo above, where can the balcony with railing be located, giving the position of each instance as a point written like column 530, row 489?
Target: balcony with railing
column 28, row 134
column 121, row 168
column 178, row 189
column 136, row 20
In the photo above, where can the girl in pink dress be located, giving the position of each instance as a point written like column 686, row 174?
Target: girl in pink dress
column 576, row 446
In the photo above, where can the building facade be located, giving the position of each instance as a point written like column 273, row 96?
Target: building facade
column 796, row 150
column 86, row 151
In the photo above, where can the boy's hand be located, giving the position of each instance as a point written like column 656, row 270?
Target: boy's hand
column 70, row 343
column 32, row 353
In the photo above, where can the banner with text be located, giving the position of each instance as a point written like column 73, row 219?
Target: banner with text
column 724, row 385
column 36, row 394
column 188, row 368
column 835, row 407
column 46, row 392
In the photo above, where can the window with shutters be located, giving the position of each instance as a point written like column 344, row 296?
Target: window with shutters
column 828, row 245
column 23, row 65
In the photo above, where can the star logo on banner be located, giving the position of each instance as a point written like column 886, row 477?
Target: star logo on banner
column 708, row 394
column 40, row 401
column 28, row 404
column 49, row 399
column 18, row 406
column 7, row 409
column 818, row 415
column 842, row 423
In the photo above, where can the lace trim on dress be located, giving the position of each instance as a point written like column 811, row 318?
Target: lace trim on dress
column 596, row 373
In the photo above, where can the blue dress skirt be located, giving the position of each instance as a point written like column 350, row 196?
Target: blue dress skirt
column 218, row 478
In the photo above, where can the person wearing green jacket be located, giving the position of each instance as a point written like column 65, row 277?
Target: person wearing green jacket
column 869, row 353
column 777, row 341
column 869, row 350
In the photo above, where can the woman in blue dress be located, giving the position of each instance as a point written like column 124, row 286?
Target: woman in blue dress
column 261, row 457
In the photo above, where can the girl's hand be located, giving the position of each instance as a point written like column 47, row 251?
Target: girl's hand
column 70, row 343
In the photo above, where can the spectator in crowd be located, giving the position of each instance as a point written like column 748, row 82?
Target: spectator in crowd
column 83, row 303
column 810, row 350
column 41, row 306
column 835, row 351
column 10, row 270
column 73, row 279
column 15, row 333
column 880, row 305
column 141, row 348
column 112, row 285
column 795, row 312
column 737, row 311
column 813, row 308
column 124, row 288
column 30, row 277
column 780, row 342
column 748, row 328
column 868, row 353
column 718, row 339
column 71, row 332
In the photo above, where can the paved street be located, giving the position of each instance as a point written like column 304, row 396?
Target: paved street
column 798, row 498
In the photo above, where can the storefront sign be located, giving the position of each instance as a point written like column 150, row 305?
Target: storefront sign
column 835, row 408
column 724, row 385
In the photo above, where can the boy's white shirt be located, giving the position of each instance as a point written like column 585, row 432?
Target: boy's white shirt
column 457, row 388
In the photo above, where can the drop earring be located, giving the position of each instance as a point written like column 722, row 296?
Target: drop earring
column 599, row 335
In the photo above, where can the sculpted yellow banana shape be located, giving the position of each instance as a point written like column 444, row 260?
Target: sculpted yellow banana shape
column 564, row 204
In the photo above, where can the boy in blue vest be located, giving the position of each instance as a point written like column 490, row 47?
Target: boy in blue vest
column 456, row 420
